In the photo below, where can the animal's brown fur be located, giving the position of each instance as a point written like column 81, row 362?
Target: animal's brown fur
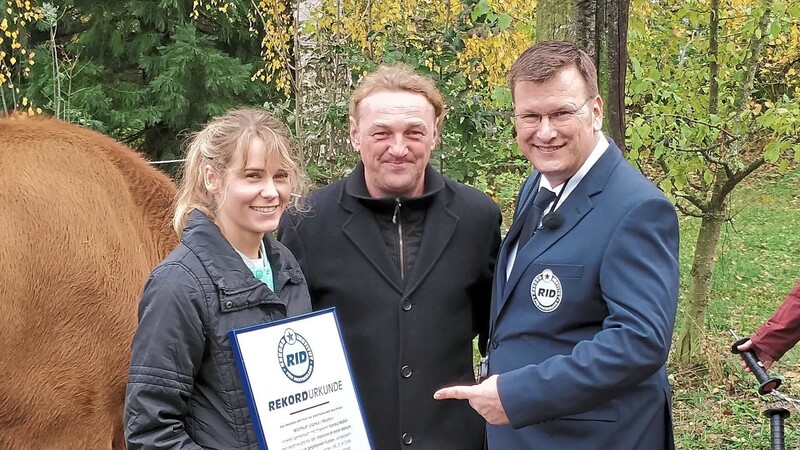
column 83, row 220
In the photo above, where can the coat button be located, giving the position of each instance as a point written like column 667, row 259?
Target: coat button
column 407, row 439
column 407, row 305
column 405, row 371
column 228, row 305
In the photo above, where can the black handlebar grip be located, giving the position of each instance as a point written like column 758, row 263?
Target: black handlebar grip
column 768, row 384
column 776, row 417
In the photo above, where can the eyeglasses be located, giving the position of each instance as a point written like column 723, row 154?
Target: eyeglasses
column 557, row 119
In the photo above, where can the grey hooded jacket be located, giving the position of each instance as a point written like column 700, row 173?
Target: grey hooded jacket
column 184, row 391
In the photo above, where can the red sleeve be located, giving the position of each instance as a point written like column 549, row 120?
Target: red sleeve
column 782, row 331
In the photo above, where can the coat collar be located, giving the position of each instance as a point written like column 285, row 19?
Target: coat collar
column 363, row 231
column 356, row 187
column 575, row 207
column 224, row 265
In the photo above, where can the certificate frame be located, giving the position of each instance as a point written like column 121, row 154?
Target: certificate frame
column 289, row 380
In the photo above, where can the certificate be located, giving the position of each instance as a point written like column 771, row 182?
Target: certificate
column 297, row 379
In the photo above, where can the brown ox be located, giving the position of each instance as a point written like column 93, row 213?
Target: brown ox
column 83, row 220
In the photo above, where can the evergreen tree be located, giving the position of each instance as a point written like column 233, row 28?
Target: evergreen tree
column 146, row 71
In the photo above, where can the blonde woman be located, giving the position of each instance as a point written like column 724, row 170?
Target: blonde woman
column 228, row 272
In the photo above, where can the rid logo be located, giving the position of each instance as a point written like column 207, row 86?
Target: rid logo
column 295, row 356
column 546, row 291
column 542, row 292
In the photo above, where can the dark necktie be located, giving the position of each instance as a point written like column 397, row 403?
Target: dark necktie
column 543, row 198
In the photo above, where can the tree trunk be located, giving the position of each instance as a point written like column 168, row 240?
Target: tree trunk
column 706, row 247
column 587, row 22
column 612, row 42
column 702, row 271
column 299, row 89
column 554, row 21
column 600, row 27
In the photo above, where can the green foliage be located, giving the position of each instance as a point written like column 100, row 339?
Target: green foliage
column 144, row 71
column 679, row 133
column 705, row 114
column 16, row 57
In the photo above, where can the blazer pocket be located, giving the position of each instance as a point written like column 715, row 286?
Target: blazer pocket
column 560, row 270
column 605, row 413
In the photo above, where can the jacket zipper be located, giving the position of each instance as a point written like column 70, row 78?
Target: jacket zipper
column 399, row 223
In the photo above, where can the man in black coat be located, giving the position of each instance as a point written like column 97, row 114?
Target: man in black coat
column 406, row 257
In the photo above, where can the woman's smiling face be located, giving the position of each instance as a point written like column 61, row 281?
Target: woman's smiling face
column 254, row 194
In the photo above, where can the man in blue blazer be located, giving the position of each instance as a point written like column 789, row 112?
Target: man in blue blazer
column 586, row 288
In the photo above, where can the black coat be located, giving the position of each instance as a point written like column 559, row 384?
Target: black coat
column 404, row 340
column 184, row 391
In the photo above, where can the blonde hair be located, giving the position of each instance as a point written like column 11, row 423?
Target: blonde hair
column 398, row 77
column 217, row 143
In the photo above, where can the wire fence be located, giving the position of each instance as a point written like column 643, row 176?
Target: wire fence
column 167, row 161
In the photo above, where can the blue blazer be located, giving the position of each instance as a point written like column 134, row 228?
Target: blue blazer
column 581, row 330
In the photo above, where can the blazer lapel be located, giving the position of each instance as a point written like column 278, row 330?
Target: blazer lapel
column 440, row 224
column 501, row 284
column 519, row 221
column 524, row 202
column 574, row 209
column 362, row 230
